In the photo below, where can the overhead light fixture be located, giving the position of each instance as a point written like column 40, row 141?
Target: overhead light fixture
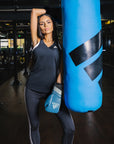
column 7, row 24
column 109, row 22
column 112, row 21
column 104, row 19
column 13, row 10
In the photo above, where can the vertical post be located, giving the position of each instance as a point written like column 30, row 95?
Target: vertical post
column 26, row 53
column 16, row 81
column 0, row 46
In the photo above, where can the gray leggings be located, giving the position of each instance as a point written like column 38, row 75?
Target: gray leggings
column 32, row 99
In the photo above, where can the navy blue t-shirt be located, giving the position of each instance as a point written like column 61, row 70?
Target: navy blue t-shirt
column 45, row 69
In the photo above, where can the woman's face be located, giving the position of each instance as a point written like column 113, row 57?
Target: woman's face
column 46, row 24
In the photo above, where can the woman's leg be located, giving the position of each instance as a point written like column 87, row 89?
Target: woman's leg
column 32, row 99
column 67, row 123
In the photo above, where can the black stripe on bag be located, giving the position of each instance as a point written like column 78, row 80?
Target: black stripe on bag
column 86, row 50
column 100, row 83
column 94, row 69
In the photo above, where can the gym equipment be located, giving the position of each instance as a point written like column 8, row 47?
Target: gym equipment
column 82, row 54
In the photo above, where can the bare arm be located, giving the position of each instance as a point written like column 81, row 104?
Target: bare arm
column 34, row 24
column 60, row 76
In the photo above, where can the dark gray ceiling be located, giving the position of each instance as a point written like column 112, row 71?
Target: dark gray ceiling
column 28, row 3
column 20, row 10
column 24, row 6
column 107, row 7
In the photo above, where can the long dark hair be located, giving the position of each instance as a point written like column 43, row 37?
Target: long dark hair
column 55, row 35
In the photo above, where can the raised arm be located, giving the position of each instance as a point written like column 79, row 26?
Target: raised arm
column 34, row 24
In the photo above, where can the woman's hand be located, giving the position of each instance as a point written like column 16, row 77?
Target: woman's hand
column 38, row 12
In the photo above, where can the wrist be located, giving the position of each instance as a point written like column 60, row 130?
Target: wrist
column 59, row 85
column 59, row 91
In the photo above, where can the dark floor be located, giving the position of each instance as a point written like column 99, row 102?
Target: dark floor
column 91, row 128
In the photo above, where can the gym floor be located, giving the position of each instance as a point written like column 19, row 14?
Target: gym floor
column 91, row 128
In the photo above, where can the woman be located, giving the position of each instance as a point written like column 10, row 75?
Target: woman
column 45, row 73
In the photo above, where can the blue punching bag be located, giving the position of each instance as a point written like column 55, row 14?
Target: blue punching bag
column 82, row 54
